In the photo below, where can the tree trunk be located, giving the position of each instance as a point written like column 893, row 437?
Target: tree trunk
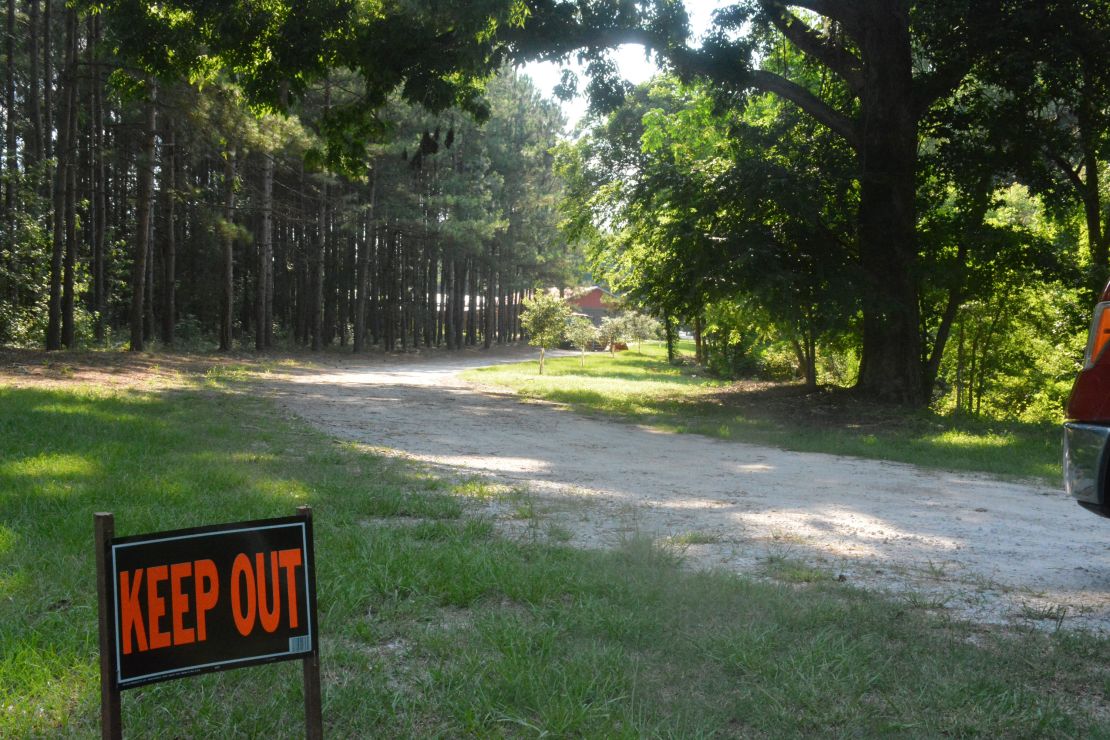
column 491, row 301
column 9, row 247
column 470, row 289
column 47, row 80
column 1089, row 128
column 148, row 303
column 668, row 324
column 61, row 269
column 811, row 367
column 33, row 152
column 431, row 337
column 932, row 366
column 264, row 279
column 143, row 206
column 98, row 210
column 449, row 302
column 70, row 156
column 11, row 156
column 169, row 243
column 890, row 365
column 227, row 304
column 57, row 255
column 330, row 278
column 699, row 344
column 346, row 268
column 363, row 277
column 318, row 272
column 960, row 369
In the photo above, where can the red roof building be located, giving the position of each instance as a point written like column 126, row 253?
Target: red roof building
column 593, row 301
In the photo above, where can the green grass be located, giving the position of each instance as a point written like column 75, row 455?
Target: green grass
column 432, row 624
column 645, row 389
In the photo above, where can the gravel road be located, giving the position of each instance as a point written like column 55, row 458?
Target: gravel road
column 979, row 548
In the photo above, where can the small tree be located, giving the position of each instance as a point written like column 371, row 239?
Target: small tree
column 639, row 327
column 611, row 331
column 581, row 333
column 545, row 319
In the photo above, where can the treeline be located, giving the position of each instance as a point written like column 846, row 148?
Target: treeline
column 758, row 207
column 139, row 209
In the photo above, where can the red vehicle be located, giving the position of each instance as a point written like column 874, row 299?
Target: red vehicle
column 1088, row 427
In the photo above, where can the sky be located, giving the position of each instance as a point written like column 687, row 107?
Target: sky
column 630, row 59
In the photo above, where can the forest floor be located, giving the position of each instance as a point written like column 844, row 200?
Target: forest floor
column 993, row 551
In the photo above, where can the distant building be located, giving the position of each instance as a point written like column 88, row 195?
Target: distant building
column 594, row 302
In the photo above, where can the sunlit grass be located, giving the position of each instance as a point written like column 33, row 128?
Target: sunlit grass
column 53, row 465
column 646, row 389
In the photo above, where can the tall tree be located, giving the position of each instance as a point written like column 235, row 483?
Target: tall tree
column 169, row 234
column 143, row 206
column 68, row 168
column 264, row 278
column 892, row 60
column 227, row 238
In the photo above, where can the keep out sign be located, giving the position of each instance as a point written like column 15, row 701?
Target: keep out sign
column 210, row 598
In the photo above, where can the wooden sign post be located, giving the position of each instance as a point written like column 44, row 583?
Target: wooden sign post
column 189, row 601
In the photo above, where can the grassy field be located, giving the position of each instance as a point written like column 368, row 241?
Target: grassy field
column 433, row 624
column 645, row 389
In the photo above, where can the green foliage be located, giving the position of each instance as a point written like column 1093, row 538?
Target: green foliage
column 435, row 55
column 581, row 332
column 741, row 213
column 741, row 342
column 611, row 331
column 683, row 207
column 1016, row 356
column 544, row 317
column 25, row 263
column 639, row 328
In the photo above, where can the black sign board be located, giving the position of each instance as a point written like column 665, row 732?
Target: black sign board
column 206, row 599
column 211, row 598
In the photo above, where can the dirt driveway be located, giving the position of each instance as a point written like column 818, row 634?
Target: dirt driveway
column 988, row 550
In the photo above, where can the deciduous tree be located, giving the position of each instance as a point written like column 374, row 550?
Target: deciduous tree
column 545, row 319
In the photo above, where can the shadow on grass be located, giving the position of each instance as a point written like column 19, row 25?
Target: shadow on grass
column 793, row 417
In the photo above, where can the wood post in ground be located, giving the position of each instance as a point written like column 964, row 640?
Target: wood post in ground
column 313, row 710
column 110, row 720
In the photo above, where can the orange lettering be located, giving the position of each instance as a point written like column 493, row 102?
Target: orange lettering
column 291, row 560
column 242, row 567
column 156, row 606
column 205, row 571
column 131, row 611
column 268, row 617
column 179, row 603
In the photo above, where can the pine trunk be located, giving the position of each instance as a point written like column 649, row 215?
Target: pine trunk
column 169, row 242
column 317, row 281
column 33, row 153
column 264, row 279
column 143, row 206
column 69, row 338
column 97, row 179
column 47, row 79
column 227, row 304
